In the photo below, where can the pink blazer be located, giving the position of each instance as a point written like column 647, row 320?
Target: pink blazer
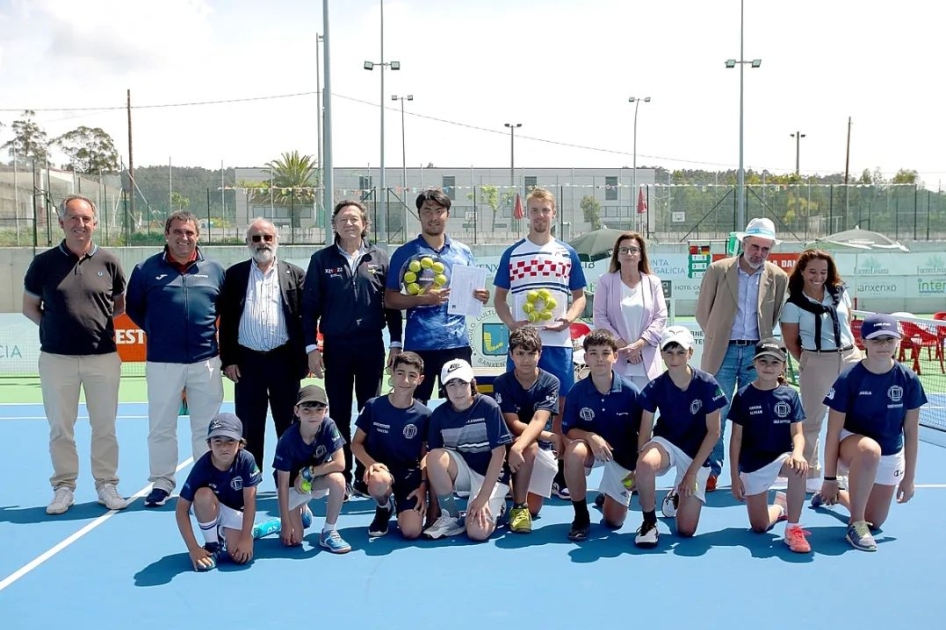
column 607, row 315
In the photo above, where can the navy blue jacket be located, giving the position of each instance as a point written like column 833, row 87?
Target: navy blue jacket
column 347, row 306
column 177, row 311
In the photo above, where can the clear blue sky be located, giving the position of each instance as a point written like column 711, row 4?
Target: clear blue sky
column 564, row 69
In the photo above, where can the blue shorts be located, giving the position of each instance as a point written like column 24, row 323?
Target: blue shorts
column 557, row 361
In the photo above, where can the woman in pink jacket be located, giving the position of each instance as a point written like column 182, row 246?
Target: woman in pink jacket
column 629, row 302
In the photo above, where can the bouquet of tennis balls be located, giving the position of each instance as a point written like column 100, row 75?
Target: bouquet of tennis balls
column 422, row 273
column 539, row 306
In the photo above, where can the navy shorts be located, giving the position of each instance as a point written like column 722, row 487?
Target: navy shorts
column 406, row 481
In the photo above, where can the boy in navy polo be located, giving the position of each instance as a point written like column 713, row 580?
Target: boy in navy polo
column 528, row 398
column 467, row 440
column 309, row 464
column 602, row 414
column 689, row 401
column 873, row 433
column 390, row 442
column 768, row 441
column 222, row 488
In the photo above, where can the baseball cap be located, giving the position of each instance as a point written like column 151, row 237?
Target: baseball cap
column 312, row 394
column 676, row 334
column 879, row 325
column 770, row 347
column 761, row 228
column 225, row 425
column 457, row 368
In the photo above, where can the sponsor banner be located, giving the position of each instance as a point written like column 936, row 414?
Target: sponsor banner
column 19, row 344
column 785, row 261
column 887, row 263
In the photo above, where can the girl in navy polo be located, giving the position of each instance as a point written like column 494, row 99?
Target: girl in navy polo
column 873, row 433
column 768, row 441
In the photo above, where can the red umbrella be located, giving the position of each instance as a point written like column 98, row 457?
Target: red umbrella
column 641, row 202
column 518, row 211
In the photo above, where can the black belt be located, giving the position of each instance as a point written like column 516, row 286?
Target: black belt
column 831, row 351
column 742, row 342
column 265, row 353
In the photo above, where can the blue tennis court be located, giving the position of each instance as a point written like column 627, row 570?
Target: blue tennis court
column 92, row 569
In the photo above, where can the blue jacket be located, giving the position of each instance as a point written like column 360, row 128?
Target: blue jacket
column 177, row 311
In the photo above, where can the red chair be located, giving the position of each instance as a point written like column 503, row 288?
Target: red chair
column 578, row 330
column 856, row 331
column 940, row 335
column 917, row 337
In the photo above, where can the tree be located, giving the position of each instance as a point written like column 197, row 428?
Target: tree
column 90, row 150
column 179, row 201
column 491, row 196
column 294, row 180
column 591, row 210
column 29, row 139
column 906, row 176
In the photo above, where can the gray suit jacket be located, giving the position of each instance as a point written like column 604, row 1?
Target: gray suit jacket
column 716, row 306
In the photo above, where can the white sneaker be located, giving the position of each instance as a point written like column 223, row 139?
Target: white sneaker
column 669, row 505
column 62, row 501
column 446, row 525
column 109, row 497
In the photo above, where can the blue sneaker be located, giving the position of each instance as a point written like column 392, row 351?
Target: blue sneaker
column 858, row 534
column 272, row 526
column 217, row 553
column 156, row 498
column 306, row 517
column 334, row 542
column 817, row 501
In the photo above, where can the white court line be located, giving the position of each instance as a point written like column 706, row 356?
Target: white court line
column 16, row 575
column 120, row 417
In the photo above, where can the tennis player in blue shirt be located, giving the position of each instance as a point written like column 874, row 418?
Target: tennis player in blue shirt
column 689, row 401
column 873, row 433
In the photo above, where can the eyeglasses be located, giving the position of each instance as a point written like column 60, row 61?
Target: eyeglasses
column 624, row 251
column 269, row 238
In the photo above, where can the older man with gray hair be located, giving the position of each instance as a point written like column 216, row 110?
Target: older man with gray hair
column 262, row 346
column 739, row 304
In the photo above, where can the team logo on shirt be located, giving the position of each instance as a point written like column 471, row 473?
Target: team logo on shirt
column 552, row 400
column 236, row 484
column 587, row 414
column 782, row 409
column 830, row 394
column 695, row 406
column 410, row 431
column 320, row 451
column 895, row 393
column 498, row 397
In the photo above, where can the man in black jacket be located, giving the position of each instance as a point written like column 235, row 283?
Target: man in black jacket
column 344, row 298
column 262, row 346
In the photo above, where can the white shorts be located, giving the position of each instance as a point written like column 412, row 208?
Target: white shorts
column 681, row 461
column 543, row 473
column 612, row 480
column 889, row 470
column 298, row 499
column 469, row 483
column 228, row 518
column 759, row 481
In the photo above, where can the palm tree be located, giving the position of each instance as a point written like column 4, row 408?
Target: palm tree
column 294, row 180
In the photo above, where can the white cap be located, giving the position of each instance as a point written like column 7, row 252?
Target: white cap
column 760, row 228
column 677, row 334
column 456, row 369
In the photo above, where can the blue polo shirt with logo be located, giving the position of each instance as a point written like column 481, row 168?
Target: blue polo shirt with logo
column 512, row 397
column 766, row 418
column 227, row 485
column 682, row 420
column 292, row 453
column 615, row 415
column 395, row 437
column 431, row 327
column 875, row 405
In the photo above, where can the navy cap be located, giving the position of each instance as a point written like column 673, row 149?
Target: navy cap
column 880, row 325
column 225, row 425
column 770, row 347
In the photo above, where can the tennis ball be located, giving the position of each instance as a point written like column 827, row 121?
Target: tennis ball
column 410, row 276
column 528, row 307
column 413, row 288
column 440, row 279
column 414, row 266
column 426, row 262
column 545, row 294
column 438, row 267
column 550, row 304
column 532, row 296
column 545, row 316
column 533, row 317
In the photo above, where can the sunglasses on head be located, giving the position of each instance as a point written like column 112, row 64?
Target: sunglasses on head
column 262, row 237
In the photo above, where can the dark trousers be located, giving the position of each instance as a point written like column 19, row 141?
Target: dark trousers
column 352, row 363
column 267, row 380
column 434, row 360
